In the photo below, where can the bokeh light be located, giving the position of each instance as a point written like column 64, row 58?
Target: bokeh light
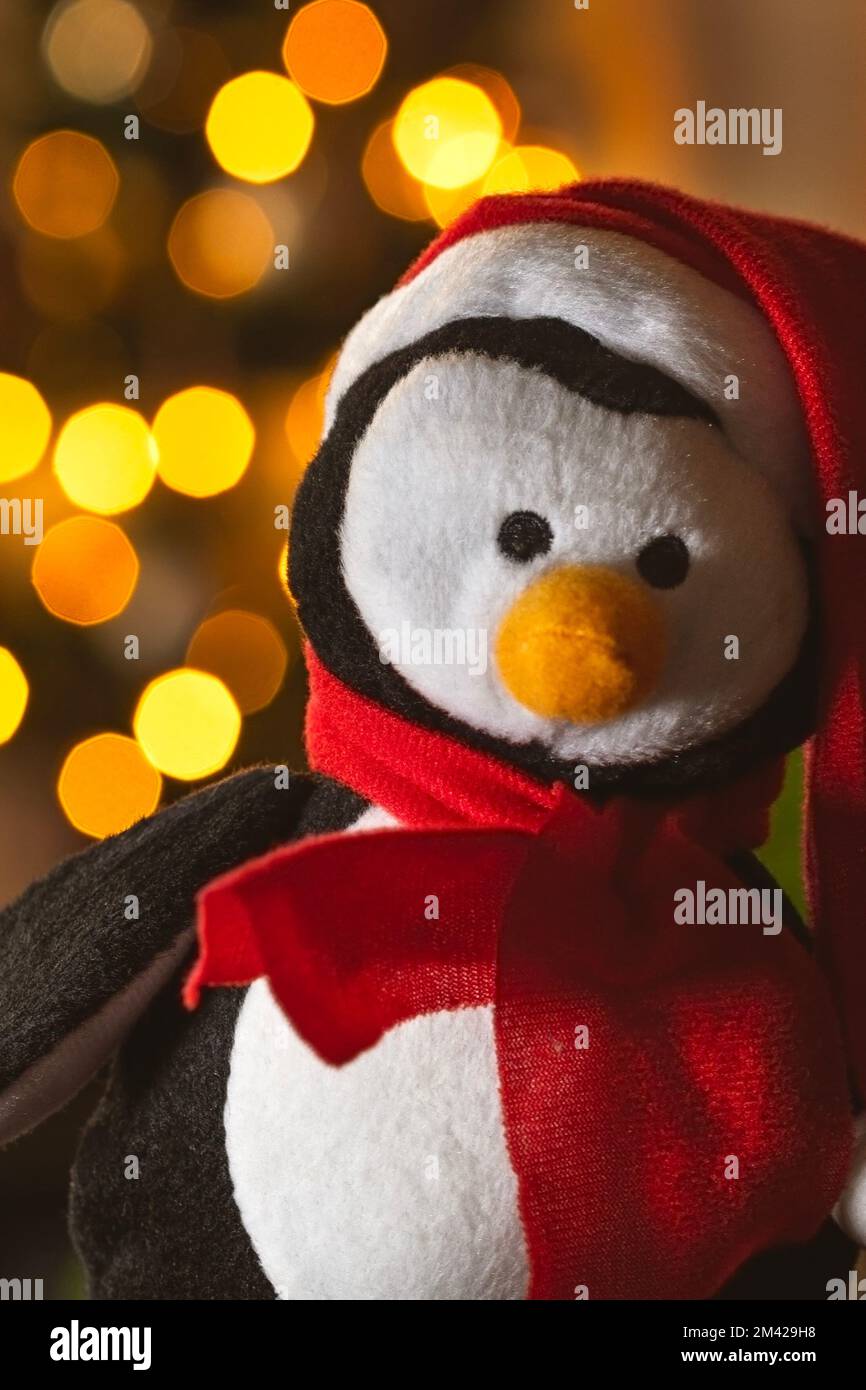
column 335, row 50
column 447, row 132
column 107, row 784
column 97, row 49
column 444, row 204
column 187, row 723
column 499, row 90
column 247, row 653
column 389, row 185
column 65, row 184
column 13, row 695
column 305, row 417
column 25, row 427
column 283, row 573
column 204, row 439
column 259, row 126
column 105, row 458
column 85, row 570
column 530, row 167
column 221, row 243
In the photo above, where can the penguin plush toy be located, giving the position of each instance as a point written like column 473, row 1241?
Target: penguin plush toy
column 497, row 1002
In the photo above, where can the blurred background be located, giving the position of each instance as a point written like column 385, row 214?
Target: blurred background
column 198, row 201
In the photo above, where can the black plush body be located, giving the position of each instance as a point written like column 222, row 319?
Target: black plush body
column 174, row 1231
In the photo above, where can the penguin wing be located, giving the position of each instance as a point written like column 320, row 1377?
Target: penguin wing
column 84, row 950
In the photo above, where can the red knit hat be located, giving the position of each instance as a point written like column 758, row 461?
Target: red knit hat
column 808, row 285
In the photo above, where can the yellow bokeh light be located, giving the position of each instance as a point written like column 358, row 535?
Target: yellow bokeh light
column 305, row 417
column 335, row 50
column 204, row 439
column 65, row 184
column 259, row 126
column 220, row 243
column 188, row 724
column 283, row 572
column 499, row 91
column 515, row 170
column 446, row 204
column 105, row 458
column 447, row 132
column 530, row 167
column 107, row 784
column 85, row 571
column 247, row 653
column 389, row 185
column 97, row 49
column 25, row 427
column 14, row 692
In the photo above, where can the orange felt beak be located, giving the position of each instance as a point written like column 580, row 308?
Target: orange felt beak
column 582, row 643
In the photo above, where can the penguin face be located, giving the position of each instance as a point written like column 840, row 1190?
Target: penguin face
column 610, row 583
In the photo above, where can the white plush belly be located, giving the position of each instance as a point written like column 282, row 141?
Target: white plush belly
column 384, row 1179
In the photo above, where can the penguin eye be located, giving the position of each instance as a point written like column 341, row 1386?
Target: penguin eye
column 523, row 535
column 664, row 563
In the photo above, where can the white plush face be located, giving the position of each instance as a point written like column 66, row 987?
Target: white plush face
column 461, row 443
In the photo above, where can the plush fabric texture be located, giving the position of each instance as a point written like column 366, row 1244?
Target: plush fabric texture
column 391, row 514
column 426, row 1202
column 176, row 1231
column 633, row 296
column 431, row 485
column 387, row 1179
column 68, row 937
column 713, row 1041
column 613, row 666
column 808, row 286
column 48, row 1083
column 68, row 954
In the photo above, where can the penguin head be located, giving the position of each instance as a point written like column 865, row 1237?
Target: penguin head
column 563, row 515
